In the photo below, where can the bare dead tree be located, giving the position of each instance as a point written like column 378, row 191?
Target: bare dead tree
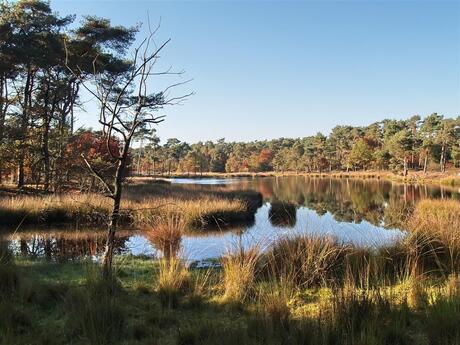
column 126, row 105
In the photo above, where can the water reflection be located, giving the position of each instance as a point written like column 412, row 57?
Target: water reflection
column 363, row 212
column 72, row 245
column 282, row 214
column 381, row 203
column 65, row 245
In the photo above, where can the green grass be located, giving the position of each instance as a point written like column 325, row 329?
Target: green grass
column 69, row 303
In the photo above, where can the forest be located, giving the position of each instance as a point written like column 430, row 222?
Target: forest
column 40, row 94
column 417, row 143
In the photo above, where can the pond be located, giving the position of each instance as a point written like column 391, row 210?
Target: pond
column 362, row 212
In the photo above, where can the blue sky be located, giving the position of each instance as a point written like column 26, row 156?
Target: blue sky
column 272, row 69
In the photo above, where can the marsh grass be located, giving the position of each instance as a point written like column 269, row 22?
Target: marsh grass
column 276, row 312
column 240, row 270
column 303, row 290
column 304, row 260
column 451, row 181
column 199, row 209
column 173, row 281
column 165, row 232
column 273, row 300
column 9, row 278
column 437, row 224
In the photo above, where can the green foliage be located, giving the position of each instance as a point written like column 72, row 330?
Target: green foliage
column 397, row 145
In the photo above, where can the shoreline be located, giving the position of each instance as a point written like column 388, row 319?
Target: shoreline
column 449, row 178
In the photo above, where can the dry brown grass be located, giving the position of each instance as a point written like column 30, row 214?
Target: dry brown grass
column 437, row 223
column 166, row 234
column 304, row 260
column 198, row 210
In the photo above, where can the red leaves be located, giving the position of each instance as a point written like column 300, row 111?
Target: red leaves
column 93, row 147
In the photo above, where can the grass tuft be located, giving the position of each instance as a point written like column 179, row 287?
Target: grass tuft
column 239, row 273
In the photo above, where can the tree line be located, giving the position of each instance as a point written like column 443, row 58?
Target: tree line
column 43, row 65
column 397, row 145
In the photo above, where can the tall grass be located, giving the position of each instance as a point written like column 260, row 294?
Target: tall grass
column 166, row 233
column 437, row 222
column 239, row 273
column 173, row 280
column 9, row 279
column 198, row 209
column 304, row 260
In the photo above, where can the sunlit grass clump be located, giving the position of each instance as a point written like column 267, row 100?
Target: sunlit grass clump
column 437, row 222
column 240, row 273
column 199, row 210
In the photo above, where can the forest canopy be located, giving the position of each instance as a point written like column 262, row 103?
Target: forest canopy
column 397, row 145
column 44, row 65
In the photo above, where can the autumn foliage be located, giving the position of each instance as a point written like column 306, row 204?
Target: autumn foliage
column 93, row 147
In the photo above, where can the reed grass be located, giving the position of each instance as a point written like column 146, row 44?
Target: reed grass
column 165, row 233
column 275, row 312
column 304, row 260
column 173, row 280
column 201, row 210
column 302, row 290
column 239, row 273
column 437, row 223
column 450, row 181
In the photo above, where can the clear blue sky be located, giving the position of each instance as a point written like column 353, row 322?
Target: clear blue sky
column 264, row 70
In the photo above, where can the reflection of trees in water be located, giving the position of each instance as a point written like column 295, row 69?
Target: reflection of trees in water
column 282, row 214
column 350, row 200
column 63, row 247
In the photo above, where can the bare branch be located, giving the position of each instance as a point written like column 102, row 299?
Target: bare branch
column 98, row 176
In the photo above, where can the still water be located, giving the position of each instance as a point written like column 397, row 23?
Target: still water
column 362, row 212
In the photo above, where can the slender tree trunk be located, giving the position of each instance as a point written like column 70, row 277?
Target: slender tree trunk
column 23, row 126
column 442, row 162
column 139, row 157
column 425, row 164
column 3, row 104
column 45, row 139
column 115, row 214
column 405, row 166
column 46, row 157
column 3, row 109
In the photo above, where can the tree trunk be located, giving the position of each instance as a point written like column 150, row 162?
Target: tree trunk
column 115, row 214
column 425, row 164
column 24, row 123
column 46, row 157
column 3, row 105
column 405, row 167
column 45, row 139
column 114, row 217
column 442, row 160
column 139, row 157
